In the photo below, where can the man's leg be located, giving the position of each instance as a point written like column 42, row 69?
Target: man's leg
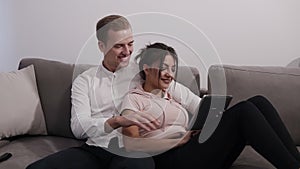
column 119, row 162
column 72, row 158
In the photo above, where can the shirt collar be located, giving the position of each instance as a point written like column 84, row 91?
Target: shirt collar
column 131, row 68
column 104, row 70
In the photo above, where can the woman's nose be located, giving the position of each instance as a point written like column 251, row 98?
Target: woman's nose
column 169, row 73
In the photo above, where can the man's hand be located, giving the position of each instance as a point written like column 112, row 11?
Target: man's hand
column 129, row 118
column 142, row 120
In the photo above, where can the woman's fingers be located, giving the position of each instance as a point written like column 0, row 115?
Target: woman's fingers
column 146, row 121
column 195, row 132
column 185, row 138
column 149, row 119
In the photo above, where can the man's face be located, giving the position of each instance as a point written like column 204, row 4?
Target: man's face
column 118, row 49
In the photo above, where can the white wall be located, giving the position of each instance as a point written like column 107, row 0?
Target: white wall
column 8, row 57
column 244, row 32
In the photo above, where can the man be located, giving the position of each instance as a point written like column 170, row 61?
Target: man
column 95, row 104
column 115, row 41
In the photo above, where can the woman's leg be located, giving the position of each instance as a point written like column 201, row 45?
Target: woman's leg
column 273, row 118
column 240, row 124
column 262, row 137
column 219, row 151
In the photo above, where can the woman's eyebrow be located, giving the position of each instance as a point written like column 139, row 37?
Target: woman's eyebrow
column 165, row 64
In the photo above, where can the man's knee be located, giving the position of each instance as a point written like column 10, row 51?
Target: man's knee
column 143, row 163
column 37, row 165
column 132, row 163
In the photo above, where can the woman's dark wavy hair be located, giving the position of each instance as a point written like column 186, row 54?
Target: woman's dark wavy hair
column 154, row 52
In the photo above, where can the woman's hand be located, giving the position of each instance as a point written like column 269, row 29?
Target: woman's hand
column 186, row 138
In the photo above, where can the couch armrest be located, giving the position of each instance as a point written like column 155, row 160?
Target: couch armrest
column 281, row 85
column 203, row 92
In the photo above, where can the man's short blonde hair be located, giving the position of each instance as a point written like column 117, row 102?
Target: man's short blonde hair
column 110, row 22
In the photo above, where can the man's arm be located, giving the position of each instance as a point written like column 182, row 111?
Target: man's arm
column 82, row 122
column 142, row 120
column 84, row 125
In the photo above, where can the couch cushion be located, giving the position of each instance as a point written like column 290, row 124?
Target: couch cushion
column 281, row 85
column 26, row 150
column 3, row 143
column 54, row 81
column 294, row 63
column 249, row 158
column 189, row 77
column 21, row 111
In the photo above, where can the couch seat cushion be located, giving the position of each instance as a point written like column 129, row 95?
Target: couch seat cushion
column 26, row 150
column 250, row 159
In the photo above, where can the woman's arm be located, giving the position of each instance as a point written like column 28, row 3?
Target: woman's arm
column 134, row 142
column 142, row 120
column 184, row 96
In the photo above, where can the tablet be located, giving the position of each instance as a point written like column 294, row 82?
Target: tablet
column 212, row 106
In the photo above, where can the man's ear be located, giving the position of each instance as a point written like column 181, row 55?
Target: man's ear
column 101, row 46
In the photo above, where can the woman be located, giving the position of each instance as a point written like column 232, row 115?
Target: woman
column 254, row 121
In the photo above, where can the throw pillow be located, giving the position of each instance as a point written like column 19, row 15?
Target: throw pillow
column 20, row 107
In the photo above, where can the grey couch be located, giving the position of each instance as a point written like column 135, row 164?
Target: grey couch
column 54, row 80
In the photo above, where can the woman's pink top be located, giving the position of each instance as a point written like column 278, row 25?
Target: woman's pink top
column 172, row 116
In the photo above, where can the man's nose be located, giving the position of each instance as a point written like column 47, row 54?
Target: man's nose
column 126, row 50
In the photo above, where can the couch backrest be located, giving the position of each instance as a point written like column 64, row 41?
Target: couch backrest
column 280, row 85
column 54, row 81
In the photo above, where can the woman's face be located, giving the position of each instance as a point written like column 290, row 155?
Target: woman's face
column 167, row 72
